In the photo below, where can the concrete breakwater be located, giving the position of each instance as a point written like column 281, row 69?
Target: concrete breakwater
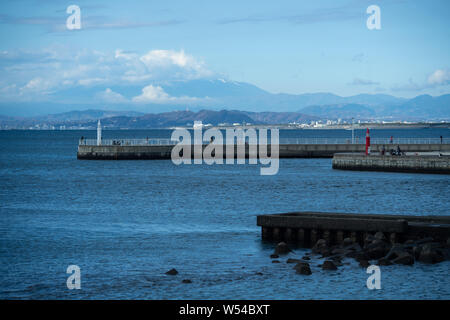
column 161, row 152
column 305, row 228
column 367, row 238
column 407, row 163
column 335, row 238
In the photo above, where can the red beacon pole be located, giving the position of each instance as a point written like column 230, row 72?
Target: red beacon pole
column 367, row 142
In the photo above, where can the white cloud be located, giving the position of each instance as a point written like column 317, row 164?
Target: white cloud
column 166, row 58
column 410, row 86
column 111, row 97
column 152, row 94
column 36, row 85
column 156, row 94
column 176, row 63
column 50, row 70
column 136, row 78
column 439, row 77
column 91, row 81
column 120, row 54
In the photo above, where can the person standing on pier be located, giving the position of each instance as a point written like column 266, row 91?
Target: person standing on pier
column 367, row 142
column 399, row 151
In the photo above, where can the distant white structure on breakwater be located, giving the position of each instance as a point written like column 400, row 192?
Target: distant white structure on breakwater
column 99, row 133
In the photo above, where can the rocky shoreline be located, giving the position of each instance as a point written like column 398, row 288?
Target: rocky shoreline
column 376, row 250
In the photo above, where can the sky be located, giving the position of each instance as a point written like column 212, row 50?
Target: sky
column 280, row 46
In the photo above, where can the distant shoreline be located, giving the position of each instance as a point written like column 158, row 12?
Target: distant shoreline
column 359, row 126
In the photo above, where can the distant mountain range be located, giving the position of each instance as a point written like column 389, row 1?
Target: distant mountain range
column 87, row 115
column 187, row 118
column 88, row 119
column 135, row 120
column 216, row 95
column 424, row 107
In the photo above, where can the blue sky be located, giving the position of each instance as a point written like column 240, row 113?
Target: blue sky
column 280, row 46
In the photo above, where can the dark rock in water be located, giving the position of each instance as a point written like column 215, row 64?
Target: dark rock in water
column 290, row 260
column 259, row 273
column 424, row 240
column 354, row 247
column 384, row 262
column 396, row 250
column 404, row 258
column 347, row 242
column 297, row 261
column 364, row 263
column 377, row 249
column 376, row 253
column 336, row 257
column 357, row 255
column 326, row 252
column 355, row 251
column 275, row 261
column 377, row 242
column 339, row 251
column 360, row 256
column 274, row 256
column 416, row 252
column 172, row 272
column 380, row 236
column 306, row 258
column 338, row 263
column 329, row 265
column 282, row 248
column 446, row 253
column 319, row 246
column 368, row 239
column 428, row 254
column 320, row 243
column 322, row 248
column 303, row 268
column 299, row 264
column 186, row 281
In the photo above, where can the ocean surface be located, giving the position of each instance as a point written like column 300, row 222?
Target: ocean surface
column 125, row 223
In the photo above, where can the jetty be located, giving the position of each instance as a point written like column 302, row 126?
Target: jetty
column 161, row 149
column 423, row 163
column 306, row 228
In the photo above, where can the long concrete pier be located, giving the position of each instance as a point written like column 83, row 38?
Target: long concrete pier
column 305, row 228
column 405, row 163
column 124, row 151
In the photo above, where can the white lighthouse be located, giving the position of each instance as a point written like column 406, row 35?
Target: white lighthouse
column 99, row 133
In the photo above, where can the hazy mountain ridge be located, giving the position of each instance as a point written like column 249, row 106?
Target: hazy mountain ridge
column 424, row 107
column 340, row 111
column 86, row 115
column 158, row 120
column 187, row 118
column 216, row 95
